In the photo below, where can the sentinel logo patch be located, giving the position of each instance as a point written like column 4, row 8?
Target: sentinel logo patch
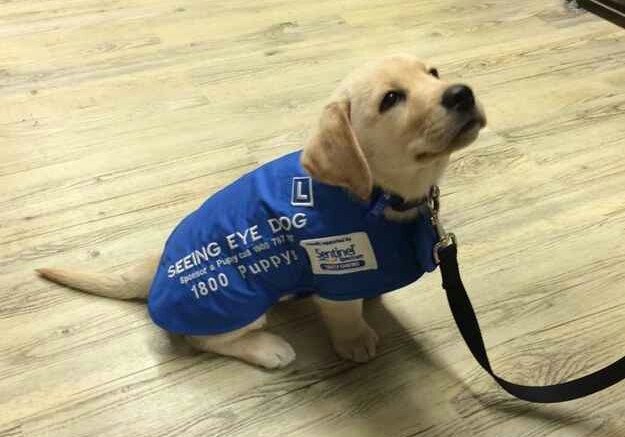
column 340, row 254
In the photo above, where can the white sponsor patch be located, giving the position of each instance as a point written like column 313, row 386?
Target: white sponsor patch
column 340, row 254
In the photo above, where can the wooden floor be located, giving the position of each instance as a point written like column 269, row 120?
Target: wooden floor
column 118, row 117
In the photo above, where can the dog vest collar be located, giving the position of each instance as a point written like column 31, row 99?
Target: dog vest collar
column 276, row 231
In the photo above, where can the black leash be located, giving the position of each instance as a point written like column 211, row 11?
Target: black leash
column 446, row 254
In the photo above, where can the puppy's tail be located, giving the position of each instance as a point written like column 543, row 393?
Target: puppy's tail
column 133, row 284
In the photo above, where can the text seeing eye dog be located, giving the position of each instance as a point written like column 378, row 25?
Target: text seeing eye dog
column 339, row 220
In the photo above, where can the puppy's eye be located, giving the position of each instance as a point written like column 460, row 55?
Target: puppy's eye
column 391, row 99
column 433, row 72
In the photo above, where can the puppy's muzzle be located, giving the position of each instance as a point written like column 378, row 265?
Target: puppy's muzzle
column 458, row 98
column 466, row 119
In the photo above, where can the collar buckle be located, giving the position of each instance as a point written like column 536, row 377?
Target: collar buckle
column 445, row 239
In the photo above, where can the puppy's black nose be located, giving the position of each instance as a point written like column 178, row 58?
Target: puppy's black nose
column 459, row 98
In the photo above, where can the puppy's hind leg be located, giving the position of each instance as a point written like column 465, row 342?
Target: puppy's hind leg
column 249, row 344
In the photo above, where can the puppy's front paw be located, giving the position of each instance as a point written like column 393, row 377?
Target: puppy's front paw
column 359, row 348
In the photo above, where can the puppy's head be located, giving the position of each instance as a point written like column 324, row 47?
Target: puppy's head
column 393, row 123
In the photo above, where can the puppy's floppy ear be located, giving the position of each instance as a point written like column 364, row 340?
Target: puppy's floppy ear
column 333, row 155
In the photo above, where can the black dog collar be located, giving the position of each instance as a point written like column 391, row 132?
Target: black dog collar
column 382, row 199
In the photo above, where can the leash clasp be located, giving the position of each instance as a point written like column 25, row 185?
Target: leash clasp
column 445, row 239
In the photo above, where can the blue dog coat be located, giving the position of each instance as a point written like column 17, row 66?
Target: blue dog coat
column 276, row 231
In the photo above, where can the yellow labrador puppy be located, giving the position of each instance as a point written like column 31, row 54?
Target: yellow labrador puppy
column 390, row 126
